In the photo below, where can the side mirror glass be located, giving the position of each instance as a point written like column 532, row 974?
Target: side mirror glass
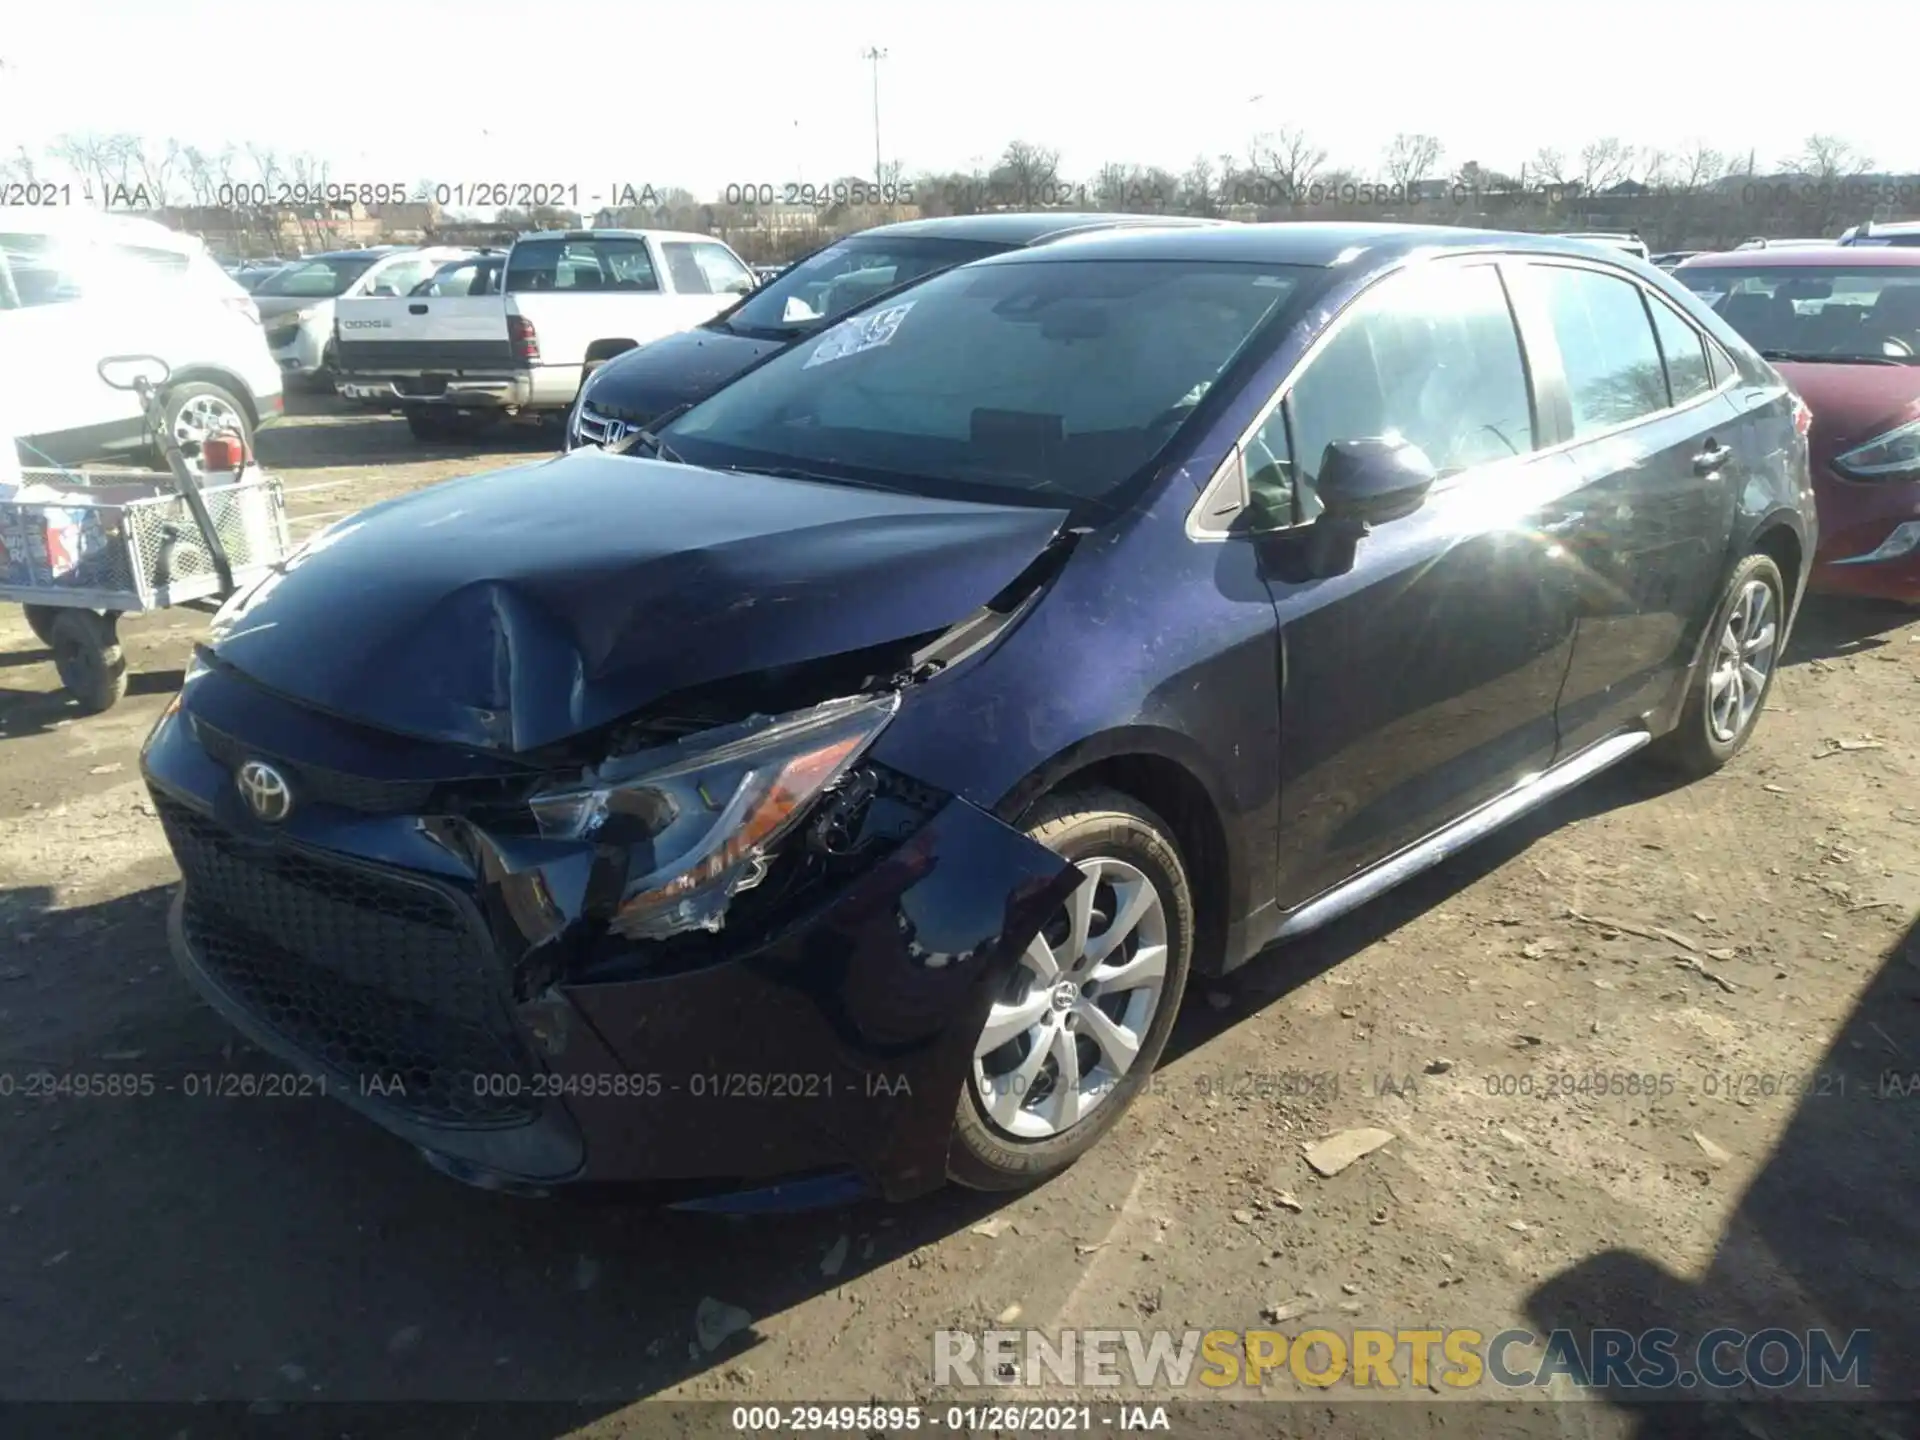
column 1373, row 481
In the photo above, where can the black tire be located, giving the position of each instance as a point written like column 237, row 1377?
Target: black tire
column 1693, row 748
column 1079, row 826
column 86, row 652
column 180, row 397
column 323, row 379
column 40, row 620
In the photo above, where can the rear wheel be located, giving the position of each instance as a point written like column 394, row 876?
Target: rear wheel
column 1735, row 674
column 1083, row 1017
column 197, row 411
column 86, row 652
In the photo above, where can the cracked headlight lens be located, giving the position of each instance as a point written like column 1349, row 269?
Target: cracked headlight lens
column 701, row 817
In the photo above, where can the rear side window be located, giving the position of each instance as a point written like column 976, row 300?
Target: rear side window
column 1607, row 349
column 42, row 273
column 615, row 263
column 705, row 269
column 1432, row 355
column 1685, row 352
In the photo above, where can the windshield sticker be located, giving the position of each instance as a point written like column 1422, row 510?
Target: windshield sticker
column 864, row 332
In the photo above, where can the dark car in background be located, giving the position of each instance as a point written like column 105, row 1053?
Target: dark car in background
column 1842, row 323
column 835, row 790
column 633, row 390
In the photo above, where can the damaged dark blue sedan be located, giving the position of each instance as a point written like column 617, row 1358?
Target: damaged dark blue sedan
column 837, row 789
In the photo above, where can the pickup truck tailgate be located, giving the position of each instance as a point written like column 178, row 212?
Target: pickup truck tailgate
column 440, row 332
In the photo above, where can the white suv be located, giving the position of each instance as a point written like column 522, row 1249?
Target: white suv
column 77, row 285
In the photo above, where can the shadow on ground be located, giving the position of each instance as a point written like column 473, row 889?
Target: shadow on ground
column 1826, row 1237
column 1832, row 627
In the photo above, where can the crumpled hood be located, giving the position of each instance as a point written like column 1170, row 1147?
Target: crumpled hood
column 512, row 609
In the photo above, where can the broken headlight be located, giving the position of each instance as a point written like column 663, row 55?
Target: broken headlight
column 701, row 816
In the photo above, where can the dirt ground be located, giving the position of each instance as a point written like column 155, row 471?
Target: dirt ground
column 1751, row 939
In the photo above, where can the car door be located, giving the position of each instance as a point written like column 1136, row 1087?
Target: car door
column 1630, row 398
column 64, row 317
column 1421, row 683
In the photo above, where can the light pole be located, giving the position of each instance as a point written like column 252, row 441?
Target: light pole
column 874, row 54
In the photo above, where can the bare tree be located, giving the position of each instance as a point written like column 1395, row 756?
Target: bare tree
column 1828, row 158
column 1412, row 158
column 1603, row 163
column 157, row 164
column 22, row 169
column 1289, row 159
column 1027, row 174
column 1547, row 167
column 1196, row 194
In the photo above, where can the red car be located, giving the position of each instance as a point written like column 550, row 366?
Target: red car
column 1842, row 324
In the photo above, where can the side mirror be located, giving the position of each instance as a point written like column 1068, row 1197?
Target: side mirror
column 1370, row 482
column 1362, row 483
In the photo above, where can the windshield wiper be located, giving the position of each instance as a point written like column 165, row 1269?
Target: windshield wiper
column 1808, row 357
column 645, row 435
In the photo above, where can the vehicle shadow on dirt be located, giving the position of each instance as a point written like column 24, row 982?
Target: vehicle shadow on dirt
column 323, row 435
column 33, row 712
column 1826, row 1237
column 207, row 1228
column 1281, row 969
column 1832, row 627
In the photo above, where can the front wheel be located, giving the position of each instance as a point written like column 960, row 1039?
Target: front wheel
column 1080, row 1022
column 1734, row 676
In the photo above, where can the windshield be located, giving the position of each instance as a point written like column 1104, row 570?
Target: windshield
column 1817, row 312
column 316, row 279
column 826, row 285
column 1049, row 383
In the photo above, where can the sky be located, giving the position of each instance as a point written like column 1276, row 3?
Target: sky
column 703, row 95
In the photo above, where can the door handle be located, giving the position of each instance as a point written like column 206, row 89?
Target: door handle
column 1711, row 458
column 416, row 309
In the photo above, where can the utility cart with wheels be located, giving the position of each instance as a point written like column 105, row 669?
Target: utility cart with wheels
column 81, row 548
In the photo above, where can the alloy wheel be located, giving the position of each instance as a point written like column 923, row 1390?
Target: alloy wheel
column 201, row 418
column 1743, row 661
column 1066, row 1030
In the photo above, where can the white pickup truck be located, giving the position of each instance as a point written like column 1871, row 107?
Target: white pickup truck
column 569, row 300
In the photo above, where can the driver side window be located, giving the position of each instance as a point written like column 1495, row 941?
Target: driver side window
column 1432, row 356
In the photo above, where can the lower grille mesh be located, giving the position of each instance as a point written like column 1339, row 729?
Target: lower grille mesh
column 383, row 980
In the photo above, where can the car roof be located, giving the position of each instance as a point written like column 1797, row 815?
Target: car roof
column 1313, row 243
column 1026, row 227
column 76, row 219
column 1832, row 253
column 614, row 232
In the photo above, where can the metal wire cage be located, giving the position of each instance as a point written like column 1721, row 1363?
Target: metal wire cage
column 126, row 541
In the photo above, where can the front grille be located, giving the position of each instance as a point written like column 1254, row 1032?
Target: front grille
column 595, row 427
column 316, row 785
column 379, row 978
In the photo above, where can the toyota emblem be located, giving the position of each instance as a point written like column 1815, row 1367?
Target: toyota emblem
column 265, row 790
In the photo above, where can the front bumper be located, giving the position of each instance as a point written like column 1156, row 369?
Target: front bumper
column 363, row 953
column 1869, row 540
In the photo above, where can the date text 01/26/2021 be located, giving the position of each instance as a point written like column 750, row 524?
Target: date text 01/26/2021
column 963, row 1419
